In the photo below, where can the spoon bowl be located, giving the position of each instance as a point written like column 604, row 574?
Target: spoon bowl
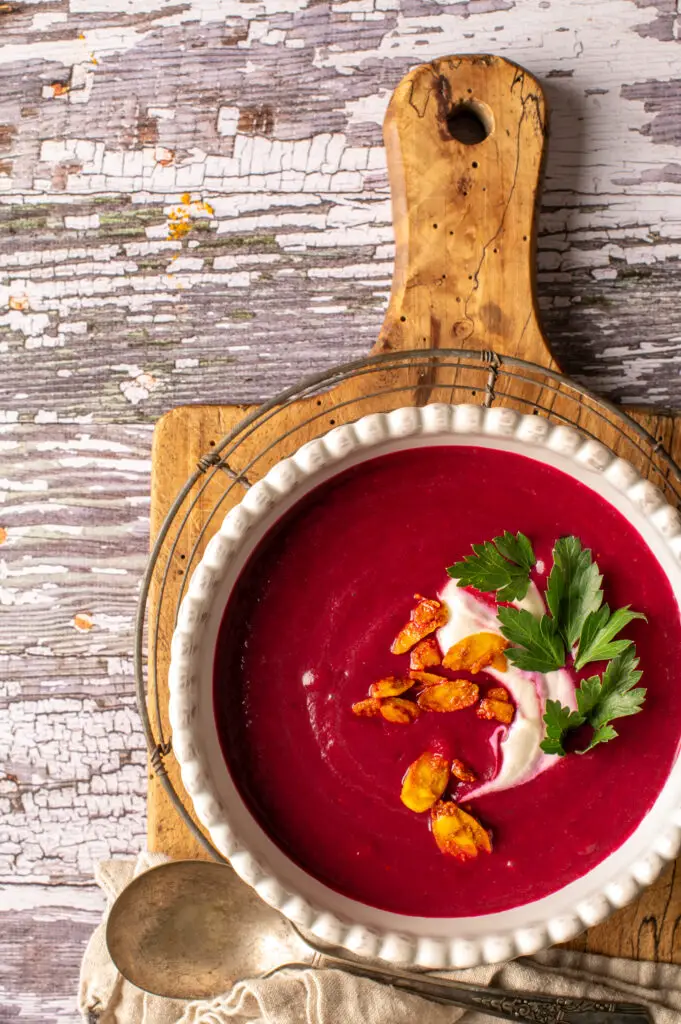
column 191, row 929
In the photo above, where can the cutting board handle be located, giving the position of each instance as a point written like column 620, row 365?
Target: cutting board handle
column 465, row 140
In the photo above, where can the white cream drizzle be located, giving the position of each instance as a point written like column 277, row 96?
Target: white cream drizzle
column 521, row 757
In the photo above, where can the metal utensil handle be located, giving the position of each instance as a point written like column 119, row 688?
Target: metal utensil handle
column 521, row 1006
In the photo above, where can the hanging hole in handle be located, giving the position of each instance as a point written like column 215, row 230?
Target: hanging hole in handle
column 470, row 122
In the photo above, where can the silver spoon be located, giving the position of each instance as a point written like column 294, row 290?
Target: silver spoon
column 191, row 929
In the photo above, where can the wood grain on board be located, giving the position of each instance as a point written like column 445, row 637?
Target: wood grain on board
column 477, row 293
column 464, row 211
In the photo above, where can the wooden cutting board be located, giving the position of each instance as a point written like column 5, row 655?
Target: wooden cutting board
column 465, row 141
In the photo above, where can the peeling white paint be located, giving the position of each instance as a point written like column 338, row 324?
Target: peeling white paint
column 84, row 223
column 228, row 119
column 26, row 898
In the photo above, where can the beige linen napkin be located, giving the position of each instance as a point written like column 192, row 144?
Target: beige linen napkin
column 332, row 997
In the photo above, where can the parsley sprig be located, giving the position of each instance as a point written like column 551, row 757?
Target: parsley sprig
column 502, row 565
column 559, row 722
column 597, row 640
column 600, row 700
column 579, row 625
column 540, row 647
column 574, row 588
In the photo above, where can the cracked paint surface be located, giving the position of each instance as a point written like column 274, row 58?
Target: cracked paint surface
column 257, row 127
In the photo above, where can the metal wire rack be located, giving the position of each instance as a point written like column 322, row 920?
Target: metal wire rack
column 341, row 395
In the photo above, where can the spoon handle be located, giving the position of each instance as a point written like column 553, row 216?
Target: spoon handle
column 520, row 1006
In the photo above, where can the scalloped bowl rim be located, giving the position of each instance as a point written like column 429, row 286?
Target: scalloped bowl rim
column 313, row 906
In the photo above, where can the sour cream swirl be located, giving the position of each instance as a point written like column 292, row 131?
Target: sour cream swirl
column 517, row 747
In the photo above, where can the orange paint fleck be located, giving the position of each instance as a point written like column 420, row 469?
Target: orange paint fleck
column 83, row 622
column 3, row 534
column 19, row 302
column 60, row 88
column 163, row 156
column 181, row 217
column 179, row 223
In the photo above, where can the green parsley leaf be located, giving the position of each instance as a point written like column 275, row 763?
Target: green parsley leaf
column 553, row 746
column 517, row 549
column 540, row 646
column 615, row 695
column 597, row 641
column 588, row 695
column 574, row 588
column 501, row 565
column 619, row 695
column 603, row 734
column 559, row 721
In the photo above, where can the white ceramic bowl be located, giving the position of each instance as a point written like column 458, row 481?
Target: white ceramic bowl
column 365, row 930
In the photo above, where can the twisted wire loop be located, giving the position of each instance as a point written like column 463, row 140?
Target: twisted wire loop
column 156, row 756
column 494, row 362
column 211, row 458
column 267, row 434
column 214, row 458
column 238, row 478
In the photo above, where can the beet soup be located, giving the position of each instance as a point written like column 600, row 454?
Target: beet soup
column 308, row 629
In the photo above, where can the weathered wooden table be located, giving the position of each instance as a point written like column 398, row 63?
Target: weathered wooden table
column 195, row 208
